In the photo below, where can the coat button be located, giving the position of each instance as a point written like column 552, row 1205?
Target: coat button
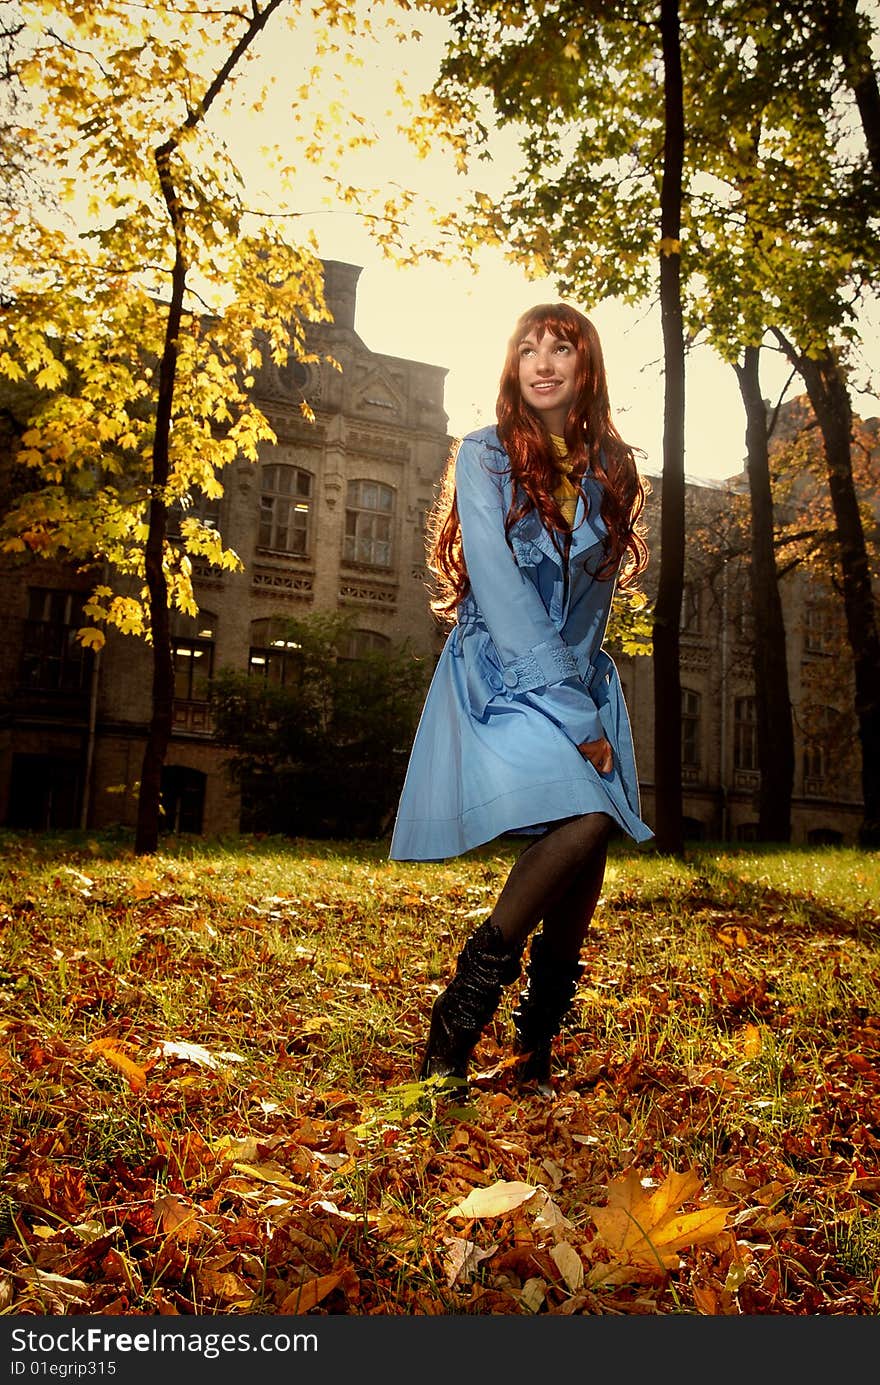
column 511, row 678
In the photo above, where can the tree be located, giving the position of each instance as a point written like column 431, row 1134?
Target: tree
column 139, row 337
column 324, row 753
column 580, row 84
column 669, row 826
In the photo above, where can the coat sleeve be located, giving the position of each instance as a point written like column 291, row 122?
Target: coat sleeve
column 536, row 662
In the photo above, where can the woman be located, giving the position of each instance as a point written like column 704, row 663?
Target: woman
column 524, row 729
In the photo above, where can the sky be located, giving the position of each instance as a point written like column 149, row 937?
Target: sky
column 460, row 319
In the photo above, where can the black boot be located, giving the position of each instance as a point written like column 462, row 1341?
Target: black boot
column 459, row 1016
column 542, row 1007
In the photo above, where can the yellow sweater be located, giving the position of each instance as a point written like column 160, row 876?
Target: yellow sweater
column 566, row 493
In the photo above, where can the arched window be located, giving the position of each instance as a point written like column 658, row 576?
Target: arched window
column 357, row 643
column 285, row 509
column 274, row 654
column 183, row 799
column 746, row 832
column 369, row 515
column 824, row 836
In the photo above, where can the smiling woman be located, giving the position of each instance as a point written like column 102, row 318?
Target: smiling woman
column 524, row 729
column 547, row 377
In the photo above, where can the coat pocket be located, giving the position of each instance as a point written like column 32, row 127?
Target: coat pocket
column 484, row 674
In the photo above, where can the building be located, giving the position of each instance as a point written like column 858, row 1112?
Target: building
column 720, row 770
column 332, row 517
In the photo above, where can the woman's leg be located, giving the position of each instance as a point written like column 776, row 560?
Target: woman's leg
column 557, row 878
column 554, row 968
column 542, row 879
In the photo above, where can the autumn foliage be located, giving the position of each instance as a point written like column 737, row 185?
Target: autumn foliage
column 208, row 1063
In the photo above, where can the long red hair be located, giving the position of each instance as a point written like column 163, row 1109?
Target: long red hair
column 594, row 447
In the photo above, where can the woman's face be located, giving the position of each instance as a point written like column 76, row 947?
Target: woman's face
column 547, row 371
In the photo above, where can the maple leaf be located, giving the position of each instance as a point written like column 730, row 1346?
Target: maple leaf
column 646, row 1228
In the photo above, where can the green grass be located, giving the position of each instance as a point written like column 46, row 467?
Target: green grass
column 728, row 1022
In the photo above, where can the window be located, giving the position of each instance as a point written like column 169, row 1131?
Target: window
column 745, row 734
column 742, row 616
column 360, row 642
column 818, row 627
column 369, row 513
column 824, row 836
column 746, row 832
column 197, row 506
column 823, row 732
column 274, row 655
column 690, row 728
column 691, row 621
column 44, row 792
column 192, row 651
column 285, row 509
column 52, row 658
column 183, row 799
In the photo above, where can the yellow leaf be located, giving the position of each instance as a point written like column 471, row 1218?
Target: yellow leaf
column 645, row 1227
column 111, row 1052
column 268, row 1173
column 493, row 1201
column 305, row 1296
column 752, row 1041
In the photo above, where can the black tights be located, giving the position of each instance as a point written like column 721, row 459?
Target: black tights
column 557, row 878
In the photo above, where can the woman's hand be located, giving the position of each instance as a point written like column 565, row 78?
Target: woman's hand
column 599, row 754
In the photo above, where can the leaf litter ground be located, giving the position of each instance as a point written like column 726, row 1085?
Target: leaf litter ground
column 208, row 1061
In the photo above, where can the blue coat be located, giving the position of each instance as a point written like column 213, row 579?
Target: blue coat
column 521, row 681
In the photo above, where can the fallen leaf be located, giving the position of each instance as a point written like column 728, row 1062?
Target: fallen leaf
column 269, row 1173
column 226, row 1286
column 306, row 1295
column 194, row 1053
column 493, row 1201
column 569, row 1264
column 463, row 1259
column 63, row 1290
column 534, row 1292
column 753, row 1040
column 177, row 1219
column 550, row 1217
column 112, row 1053
column 637, row 1225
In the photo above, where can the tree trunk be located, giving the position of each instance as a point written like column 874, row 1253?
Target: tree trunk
column 669, row 828
column 772, row 697
column 862, row 80
column 159, row 733
column 829, row 397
